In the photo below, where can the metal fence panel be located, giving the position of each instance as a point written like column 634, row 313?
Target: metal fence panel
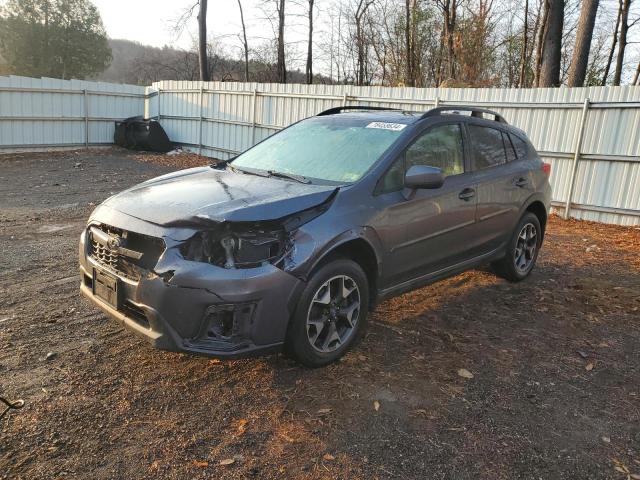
column 43, row 112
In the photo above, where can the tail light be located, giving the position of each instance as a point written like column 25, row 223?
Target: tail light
column 546, row 168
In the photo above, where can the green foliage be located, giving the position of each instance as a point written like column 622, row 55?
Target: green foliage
column 53, row 38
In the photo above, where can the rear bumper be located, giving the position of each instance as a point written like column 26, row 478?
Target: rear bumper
column 199, row 308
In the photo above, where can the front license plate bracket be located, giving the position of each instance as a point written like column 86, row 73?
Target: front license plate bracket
column 105, row 287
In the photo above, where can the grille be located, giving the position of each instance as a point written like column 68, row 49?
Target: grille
column 104, row 255
column 128, row 254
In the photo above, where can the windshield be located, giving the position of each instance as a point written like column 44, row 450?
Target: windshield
column 323, row 148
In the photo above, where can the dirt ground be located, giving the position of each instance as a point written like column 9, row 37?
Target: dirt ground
column 555, row 365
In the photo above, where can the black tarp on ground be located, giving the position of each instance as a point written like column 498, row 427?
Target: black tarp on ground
column 136, row 133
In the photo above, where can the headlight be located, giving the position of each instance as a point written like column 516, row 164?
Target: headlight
column 237, row 246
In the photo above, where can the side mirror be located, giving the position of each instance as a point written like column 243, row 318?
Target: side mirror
column 422, row 176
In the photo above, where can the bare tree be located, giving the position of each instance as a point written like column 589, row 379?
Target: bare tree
column 622, row 40
column 280, row 63
column 580, row 59
column 309, row 67
column 542, row 25
column 202, row 41
column 525, row 40
column 179, row 26
column 552, row 44
column 449, row 9
column 361, row 60
column 245, row 44
column 409, row 79
column 612, row 50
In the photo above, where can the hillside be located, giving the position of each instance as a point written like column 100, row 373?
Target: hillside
column 136, row 63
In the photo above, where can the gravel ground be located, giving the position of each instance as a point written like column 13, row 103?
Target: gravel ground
column 550, row 387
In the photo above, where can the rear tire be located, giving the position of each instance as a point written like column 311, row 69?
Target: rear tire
column 522, row 250
column 331, row 314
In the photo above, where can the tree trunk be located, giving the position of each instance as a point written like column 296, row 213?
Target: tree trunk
column 542, row 27
column 202, row 41
column 580, row 60
column 360, row 53
column 408, row 80
column 622, row 41
column 636, row 77
column 309, row 70
column 525, row 38
column 614, row 42
column 449, row 17
column 282, row 70
column 552, row 45
column 363, row 5
column 245, row 43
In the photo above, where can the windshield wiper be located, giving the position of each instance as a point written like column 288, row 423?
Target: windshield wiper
column 291, row 176
column 250, row 171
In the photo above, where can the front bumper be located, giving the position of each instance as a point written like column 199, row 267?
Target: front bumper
column 199, row 308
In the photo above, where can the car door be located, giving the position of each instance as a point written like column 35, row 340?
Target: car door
column 502, row 183
column 435, row 223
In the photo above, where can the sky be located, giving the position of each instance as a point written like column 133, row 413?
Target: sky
column 151, row 21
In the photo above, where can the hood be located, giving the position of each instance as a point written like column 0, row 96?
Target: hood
column 200, row 194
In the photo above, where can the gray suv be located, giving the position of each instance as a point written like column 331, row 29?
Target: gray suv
column 291, row 244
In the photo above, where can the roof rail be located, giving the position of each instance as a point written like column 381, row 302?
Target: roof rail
column 475, row 112
column 334, row 110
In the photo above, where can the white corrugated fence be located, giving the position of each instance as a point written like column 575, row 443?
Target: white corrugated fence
column 591, row 136
column 46, row 112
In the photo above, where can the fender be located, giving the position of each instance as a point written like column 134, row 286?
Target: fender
column 366, row 234
column 542, row 197
column 535, row 197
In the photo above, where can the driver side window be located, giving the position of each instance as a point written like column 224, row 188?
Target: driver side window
column 439, row 147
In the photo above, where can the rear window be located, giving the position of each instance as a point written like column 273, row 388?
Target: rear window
column 520, row 146
column 489, row 147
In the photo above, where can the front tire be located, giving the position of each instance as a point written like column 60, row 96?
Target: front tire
column 522, row 250
column 331, row 314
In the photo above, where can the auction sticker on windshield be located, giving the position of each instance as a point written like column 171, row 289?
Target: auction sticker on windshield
column 387, row 126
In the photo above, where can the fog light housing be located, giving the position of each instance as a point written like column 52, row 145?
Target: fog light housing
column 225, row 327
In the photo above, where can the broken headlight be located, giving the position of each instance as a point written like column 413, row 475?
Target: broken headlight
column 237, row 246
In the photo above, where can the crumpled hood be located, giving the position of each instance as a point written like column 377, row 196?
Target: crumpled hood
column 200, row 194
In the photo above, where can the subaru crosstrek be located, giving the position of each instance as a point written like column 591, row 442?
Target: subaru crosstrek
column 291, row 244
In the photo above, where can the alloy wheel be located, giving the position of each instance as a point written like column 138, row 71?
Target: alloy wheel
column 333, row 313
column 526, row 245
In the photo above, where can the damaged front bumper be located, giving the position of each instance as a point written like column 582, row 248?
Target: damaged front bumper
column 183, row 305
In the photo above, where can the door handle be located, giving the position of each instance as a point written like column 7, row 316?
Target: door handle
column 467, row 194
column 521, row 182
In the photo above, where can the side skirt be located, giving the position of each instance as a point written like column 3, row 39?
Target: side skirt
column 432, row 277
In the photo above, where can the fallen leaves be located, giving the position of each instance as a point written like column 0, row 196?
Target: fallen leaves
column 226, row 462
column 182, row 159
column 328, row 457
column 589, row 366
column 464, row 373
column 623, row 469
column 242, row 426
column 200, row 463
